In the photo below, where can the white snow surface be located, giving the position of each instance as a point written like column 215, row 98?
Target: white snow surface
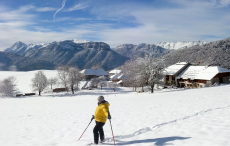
column 24, row 78
column 185, row 117
column 179, row 44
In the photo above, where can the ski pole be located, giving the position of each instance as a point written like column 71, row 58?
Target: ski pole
column 86, row 127
column 112, row 132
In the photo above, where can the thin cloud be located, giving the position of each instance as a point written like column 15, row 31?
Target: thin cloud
column 45, row 9
column 66, row 19
column 77, row 7
column 190, row 20
column 224, row 2
column 21, row 14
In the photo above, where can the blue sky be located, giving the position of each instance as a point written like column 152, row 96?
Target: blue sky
column 115, row 22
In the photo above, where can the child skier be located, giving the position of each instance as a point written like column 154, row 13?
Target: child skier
column 101, row 115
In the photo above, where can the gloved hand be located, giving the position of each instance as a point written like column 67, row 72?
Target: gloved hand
column 109, row 117
column 92, row 117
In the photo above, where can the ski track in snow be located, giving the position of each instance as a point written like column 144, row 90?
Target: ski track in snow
column 148, row 129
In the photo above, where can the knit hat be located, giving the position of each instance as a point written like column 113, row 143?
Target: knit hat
column 100, row 98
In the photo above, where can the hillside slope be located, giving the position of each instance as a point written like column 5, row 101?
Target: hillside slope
column 179, row 44
column 213, row 53
column 131, row 51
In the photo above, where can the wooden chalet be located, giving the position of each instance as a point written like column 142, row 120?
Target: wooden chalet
column 197, row 76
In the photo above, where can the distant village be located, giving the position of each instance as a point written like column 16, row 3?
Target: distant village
column 181, row 75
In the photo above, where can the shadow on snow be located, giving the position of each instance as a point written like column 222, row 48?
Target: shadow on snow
column 158, row 141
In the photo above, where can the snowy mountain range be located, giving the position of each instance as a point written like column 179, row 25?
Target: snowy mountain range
column 20, row 47
column 84, row 54
column 155, row 50
column 87, row 54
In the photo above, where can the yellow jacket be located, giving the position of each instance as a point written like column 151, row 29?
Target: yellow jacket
column 102, row 112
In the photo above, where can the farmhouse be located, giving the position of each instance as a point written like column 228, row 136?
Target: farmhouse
column 92, row 73
column 196, row 76
column 173, row 71
column 117, row 76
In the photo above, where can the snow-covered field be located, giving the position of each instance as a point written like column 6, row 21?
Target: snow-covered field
column 194, row 117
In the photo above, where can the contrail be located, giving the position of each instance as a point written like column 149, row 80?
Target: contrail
column 63, row 5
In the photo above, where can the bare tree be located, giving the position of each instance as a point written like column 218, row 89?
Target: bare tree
column 144, row 71
column 52, row 82
column 7, row 86
column 94, row 82
column 102, row 82
column 74, row 78
column 39, row 82
column 135, row 70
column 155, row 71
column 113, row 85
column 102, row 78
column 63, row 72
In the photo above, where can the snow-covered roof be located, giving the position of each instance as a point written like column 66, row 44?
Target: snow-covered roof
column 191, row 72
column 201, row 72
column 173, row 69
column 211, row 72
column 88, row 72
column 115, row 71
column 123, row 77
column 115, row 77
column 95, row 72
column 119, row 77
